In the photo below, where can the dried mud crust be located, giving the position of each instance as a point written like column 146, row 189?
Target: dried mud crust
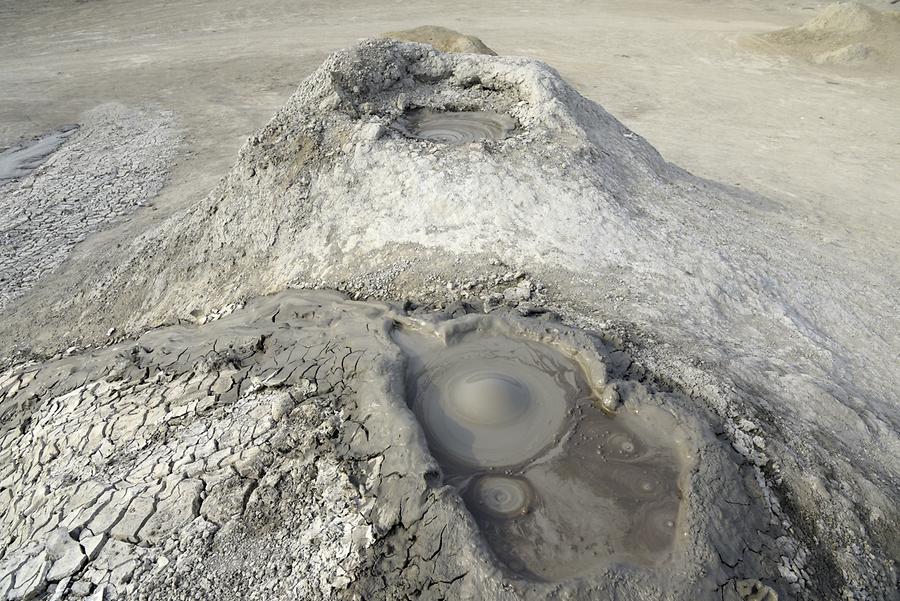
column 718, row 292
column 115, row 162
column 442, row 38
column 270, row 454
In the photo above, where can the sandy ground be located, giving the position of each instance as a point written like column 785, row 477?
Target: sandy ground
column 823, row 142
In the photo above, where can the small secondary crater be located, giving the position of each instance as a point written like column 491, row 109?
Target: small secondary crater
column 558, row 487
column 455, row 127
column 501, row 497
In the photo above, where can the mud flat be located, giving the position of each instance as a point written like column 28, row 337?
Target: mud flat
column 670, row 299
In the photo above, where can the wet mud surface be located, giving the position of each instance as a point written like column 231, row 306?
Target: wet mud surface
column 455, row 127
column 559, row 487
column 22, row 158
column 297, row 423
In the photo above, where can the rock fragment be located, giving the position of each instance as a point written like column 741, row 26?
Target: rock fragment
column 66, row 553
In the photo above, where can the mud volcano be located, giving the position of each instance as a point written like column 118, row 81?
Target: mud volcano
column 705, row 312
column 455, row 127
column 558, row 486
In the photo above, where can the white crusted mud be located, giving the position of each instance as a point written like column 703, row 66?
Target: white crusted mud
column 730, row 312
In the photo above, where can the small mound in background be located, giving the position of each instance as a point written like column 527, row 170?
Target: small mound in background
column 445, row 40
column 843, row 34
column 853, row 54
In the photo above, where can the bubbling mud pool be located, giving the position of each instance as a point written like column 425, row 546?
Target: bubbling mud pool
column 455, row 127
column 558, row 487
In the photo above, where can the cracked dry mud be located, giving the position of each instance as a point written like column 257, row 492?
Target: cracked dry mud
column 271, row 454
column 59, row 189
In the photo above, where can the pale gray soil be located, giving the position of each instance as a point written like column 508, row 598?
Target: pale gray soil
column 759, row 311
column 270, row 454
column 822, row 142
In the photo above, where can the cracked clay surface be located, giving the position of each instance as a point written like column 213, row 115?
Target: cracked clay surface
column 270, row 453
column 774, row 357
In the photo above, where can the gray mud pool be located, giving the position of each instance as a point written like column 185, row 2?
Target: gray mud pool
column 557, row 485
column 455, row 127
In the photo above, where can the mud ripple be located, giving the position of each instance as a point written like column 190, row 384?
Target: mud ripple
column 483, row 406
column 455, row 127
column 557, row 486
column 501, row 497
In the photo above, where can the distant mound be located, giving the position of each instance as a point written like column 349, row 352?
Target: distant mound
column 842, row 18
column 445, row 40
column 847, row 55
column 844, row 33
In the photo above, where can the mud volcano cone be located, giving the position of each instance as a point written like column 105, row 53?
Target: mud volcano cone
column 719, row 294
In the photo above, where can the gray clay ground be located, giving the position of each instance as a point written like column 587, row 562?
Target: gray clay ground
column 117, row 161
column 236, row 453
column 270, row 454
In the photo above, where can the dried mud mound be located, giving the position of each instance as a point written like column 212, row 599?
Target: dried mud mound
column 843, row 34
column 271, row 454
column 718, row 294
column 443, row 39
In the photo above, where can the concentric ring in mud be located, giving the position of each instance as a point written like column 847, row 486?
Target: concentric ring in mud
column 456, row 127
column 621, row 446
column 502, row 497
column 487, row 405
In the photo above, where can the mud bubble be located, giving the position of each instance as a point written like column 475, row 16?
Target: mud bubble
column 455, row 127
column 559, row 487
column 500, row 496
